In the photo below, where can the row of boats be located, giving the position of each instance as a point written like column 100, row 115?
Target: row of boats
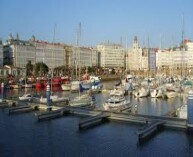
column 65, row 83
column 159, row 88
column 156, row 88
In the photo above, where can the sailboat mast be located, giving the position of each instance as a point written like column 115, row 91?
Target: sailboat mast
column 148, row 55
column 78, row 45
column 79, row 36
column 53, row 64
column 126, row 55
column 182, row 46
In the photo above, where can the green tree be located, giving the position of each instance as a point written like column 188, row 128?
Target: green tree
column 29, row 68
column 40, row 69
column 113, row 71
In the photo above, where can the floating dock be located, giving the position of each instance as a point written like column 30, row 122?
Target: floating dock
column 93, row 120
column 8, row 103
column 51, row 114
column 20, row 108
column 149, row 130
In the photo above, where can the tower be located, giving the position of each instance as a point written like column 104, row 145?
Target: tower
column 135, row 43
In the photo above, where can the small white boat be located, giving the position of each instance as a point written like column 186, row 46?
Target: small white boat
column 66, row 87
column 83, row 99
column 26, row 97
column 157, row 93
column 65, row 83
column 54, row 98
column 74, row 86
column 171, row 94
column 142, row 92
column 96, row 88
column 116, row 101
column 27, row 85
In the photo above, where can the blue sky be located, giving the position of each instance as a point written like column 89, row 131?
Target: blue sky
column 101, row 20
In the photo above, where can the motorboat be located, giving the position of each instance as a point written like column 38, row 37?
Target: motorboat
column 53, row 98
column 171, row 94
column 96, row 87
column 74, row 86
column 83, row 99
column 26, row 97
column 157, row 93
column 27, row 85
column 142, row 92
column 66, row 87
column 116, row 101
column 65, row 83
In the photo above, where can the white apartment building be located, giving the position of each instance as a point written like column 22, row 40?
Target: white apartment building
column 19, row 52
column 81, row 57
column 163, row 58
column 189, row 45
column 94, row 57
column 52, row 54
column 175, row 59
column 111, row 55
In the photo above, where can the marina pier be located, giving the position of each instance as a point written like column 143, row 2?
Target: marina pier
column 171, row 122
column 93, row 120
column 94, row 116
column 168, row 122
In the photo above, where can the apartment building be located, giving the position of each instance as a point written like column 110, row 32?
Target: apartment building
column 1, row 53
column 111, row 55
column 18, row 52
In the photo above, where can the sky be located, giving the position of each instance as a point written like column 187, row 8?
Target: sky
column 158, row 21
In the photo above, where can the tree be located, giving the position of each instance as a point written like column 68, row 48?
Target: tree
column 113, row 71
column 29, row 68
column 41, row 69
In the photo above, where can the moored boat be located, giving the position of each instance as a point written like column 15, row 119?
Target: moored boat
column 157, row 93
column 54, row 98
column 116, row 101
column 142, row 92
column 26, row 97
column 65, row 83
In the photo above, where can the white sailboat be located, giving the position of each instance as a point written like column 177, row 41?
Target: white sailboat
column 157, row 93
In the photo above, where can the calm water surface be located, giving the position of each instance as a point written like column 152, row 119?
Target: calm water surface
column 21, row 135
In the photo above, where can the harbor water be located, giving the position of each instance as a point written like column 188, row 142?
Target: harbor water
column 21, row 135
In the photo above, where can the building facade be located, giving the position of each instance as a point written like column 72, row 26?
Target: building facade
column 19, row 52
column 141, row 58
column 111, row 55
column 134, row 59
column 81, row 57
column 1, row 53
column 178, row 59
column 52, row 54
